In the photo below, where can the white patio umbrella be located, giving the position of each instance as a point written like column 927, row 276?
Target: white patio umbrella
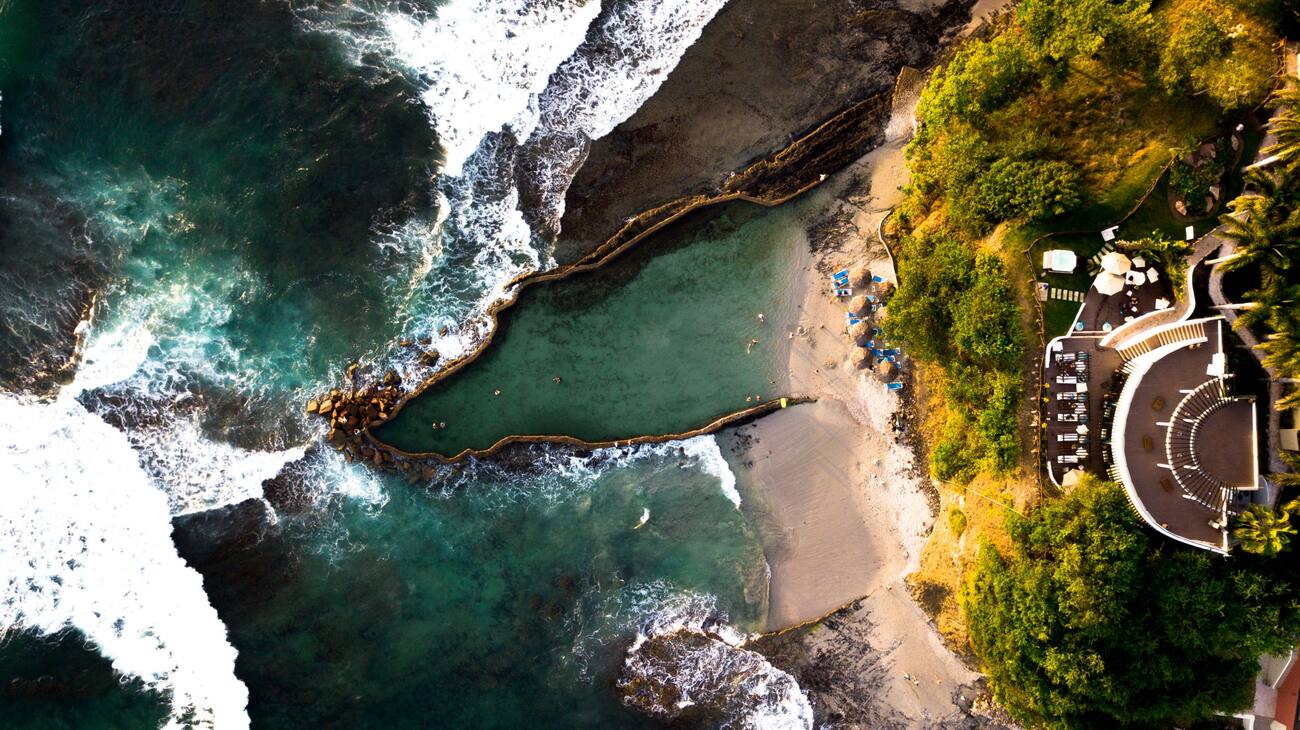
column 1108, row 283
column 1116, row 263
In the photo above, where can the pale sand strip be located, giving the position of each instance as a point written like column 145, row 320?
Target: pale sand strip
column 843, row 514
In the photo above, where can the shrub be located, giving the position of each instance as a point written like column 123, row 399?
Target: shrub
column 956, row 521
column 1025, row 190
column 1089, row 622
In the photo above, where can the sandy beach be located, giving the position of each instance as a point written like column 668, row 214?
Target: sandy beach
column 843, row 507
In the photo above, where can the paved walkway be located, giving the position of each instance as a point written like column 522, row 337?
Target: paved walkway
column 1220, row 300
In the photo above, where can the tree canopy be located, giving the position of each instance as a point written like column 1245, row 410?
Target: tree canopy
column 1092, row 622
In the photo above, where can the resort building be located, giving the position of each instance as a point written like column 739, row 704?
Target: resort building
column 1141, row 391
column 1183, row 444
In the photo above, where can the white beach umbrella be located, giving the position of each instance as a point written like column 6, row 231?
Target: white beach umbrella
column 1072, row 477
column 1116, row 263
column 1108, row 283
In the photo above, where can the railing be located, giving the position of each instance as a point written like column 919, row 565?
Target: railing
column 1119, row 470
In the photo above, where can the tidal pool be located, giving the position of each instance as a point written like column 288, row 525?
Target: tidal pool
column 663, row 339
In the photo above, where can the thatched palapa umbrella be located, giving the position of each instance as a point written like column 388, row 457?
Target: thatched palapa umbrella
column 885, row 370
column 859, row 276
column 859, row 305
column 860, row 358
column 860, row 333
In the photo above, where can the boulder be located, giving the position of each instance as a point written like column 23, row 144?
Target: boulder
column 311, row 406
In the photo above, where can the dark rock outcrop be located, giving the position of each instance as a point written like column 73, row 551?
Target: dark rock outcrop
column 761, row 75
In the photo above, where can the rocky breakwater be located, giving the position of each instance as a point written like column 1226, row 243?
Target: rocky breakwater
column 353, row 411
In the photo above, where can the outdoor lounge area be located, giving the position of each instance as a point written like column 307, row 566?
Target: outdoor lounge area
column 1077, row 389
column 1183, row 445
column 1124, row 290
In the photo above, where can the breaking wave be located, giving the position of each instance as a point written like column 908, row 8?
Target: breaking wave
column 516, row 92
column 687, row 663
column 85, row 542
column 628, row 54
column 484, row 63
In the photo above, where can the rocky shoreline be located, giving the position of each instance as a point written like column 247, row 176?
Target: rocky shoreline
column 761, row 75
column 859, row 51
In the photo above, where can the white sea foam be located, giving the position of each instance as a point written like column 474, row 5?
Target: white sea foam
column 706, row 451
column 85, row 542
column 564, row 473
column 195, row 472
column 700, row 659
column 494, row 75
column 629, row 53
column 485, row 62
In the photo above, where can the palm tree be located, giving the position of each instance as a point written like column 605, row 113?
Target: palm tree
column 1265, row 225
column 1264, row 531
column 1285, row 125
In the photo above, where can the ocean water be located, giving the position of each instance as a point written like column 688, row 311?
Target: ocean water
column 207, row 210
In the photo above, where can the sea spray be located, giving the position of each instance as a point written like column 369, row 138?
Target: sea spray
column 485, row 62
column 85, row 542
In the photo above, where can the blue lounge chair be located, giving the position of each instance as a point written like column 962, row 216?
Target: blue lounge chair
column 877, row 280
column 877, row 353
column 891, row 351
column 877, row 331
column 841, row 274
column 843, row 292
column 871, row 297
column 891, row 358
column 895, row 386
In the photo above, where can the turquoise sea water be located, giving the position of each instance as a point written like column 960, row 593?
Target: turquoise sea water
column 251, row 200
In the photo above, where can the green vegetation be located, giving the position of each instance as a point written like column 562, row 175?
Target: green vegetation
column 1059, row 121
column 1265, row 227
column 1218, row 49
column 956, row 521
column 1168, row 255
column 1070, row 94
column 957, row 307
column 1194, row 174
column 1088, row 621
column 1266, row 531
